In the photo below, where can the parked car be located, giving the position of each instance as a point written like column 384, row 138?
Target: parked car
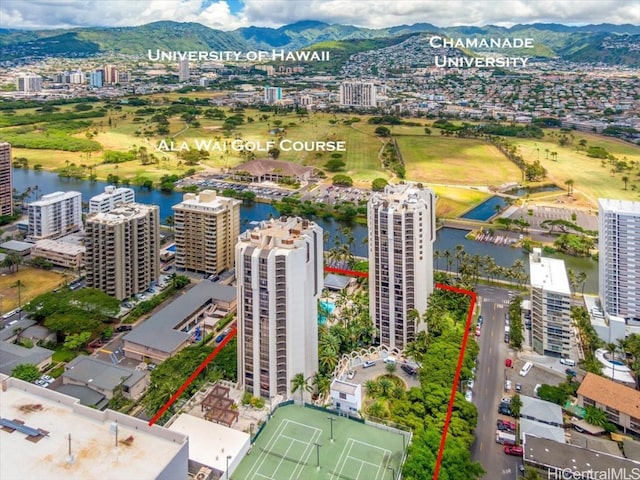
column 470, row 384
column 508, row 363
column 480, row 320
column 151, row 366
column 468, row 395
column 513, row 450
column 518, row 387
column 573, row 373
column 351, row 374
column 390, row 359
column 507, row 385
column 478, row 332
column 368, row 363
column 535, row 389
column 506, row 425
column 408, row 369
column 124, row 328
column 568, row 362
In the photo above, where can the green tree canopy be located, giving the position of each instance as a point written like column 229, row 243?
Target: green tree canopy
column 26, row 371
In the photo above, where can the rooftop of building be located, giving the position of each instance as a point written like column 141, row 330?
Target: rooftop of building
column 344, row 387
column 54, row 197
column 405, row 194
column 141, row 452
column 59, row 246
column 110, row 191
column 563, row 456
column 12, row 355
column 17, row 246
column 541, row 430
column 122, row 212
column 159, row 331
column 547, row 273
column 619, row 206
column 610, row 393
column 540, row 410
column 265, row 166
column 100, row 374
column 206, row 200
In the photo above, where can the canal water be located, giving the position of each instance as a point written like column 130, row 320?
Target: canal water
column 447, row 238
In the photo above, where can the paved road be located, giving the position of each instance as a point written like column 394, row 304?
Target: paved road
column 489, row 386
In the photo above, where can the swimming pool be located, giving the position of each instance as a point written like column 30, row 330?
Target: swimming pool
column 325, row 306
column 617, row 362
column 172, row 248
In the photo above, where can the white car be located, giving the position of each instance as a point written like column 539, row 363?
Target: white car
column 351, row 374
column 470, row 384
column 390, row 359
column 507, row 385
column 468, row 395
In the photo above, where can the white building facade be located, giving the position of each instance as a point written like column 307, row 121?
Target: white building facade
column 619, row 258
column 358, row 94
column 54, row 215
column 111, row 197
column 279, row 270
column 550, row 305
column 402, row 230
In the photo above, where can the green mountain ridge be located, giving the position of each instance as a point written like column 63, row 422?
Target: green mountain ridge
column 582, row 44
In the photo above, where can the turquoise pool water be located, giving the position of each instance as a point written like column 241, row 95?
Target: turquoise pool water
column 327, row 306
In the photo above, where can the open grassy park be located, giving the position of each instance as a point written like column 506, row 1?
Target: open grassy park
column 445, row 163
column 34, row 282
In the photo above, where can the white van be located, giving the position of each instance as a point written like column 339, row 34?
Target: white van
column 568, row 362
column 526, row 368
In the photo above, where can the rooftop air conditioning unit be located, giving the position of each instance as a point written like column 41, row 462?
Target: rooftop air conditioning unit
column 204, row 474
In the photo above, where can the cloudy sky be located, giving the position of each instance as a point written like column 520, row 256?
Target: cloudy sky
column 232, row 14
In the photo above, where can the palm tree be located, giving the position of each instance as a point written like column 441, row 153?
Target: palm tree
column 376, row 409
column 391, row 368
column 298, row 382
column 569, row 183
column 595, row 416
column 625, row 179
column 371, row 386
column 322, row 384
column 385, row 386
column 19, row 284
column 582, row 279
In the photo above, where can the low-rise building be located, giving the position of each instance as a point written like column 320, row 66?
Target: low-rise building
column 271, row 170
column 61, row 254
column 170, row 329
column 541, row 411
column 13, row 354
column 16, row 246
column 621, row 403
column 104, row 378
column 346, row 396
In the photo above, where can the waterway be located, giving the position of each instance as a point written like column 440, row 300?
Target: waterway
column 486, row 209
column 447, row 238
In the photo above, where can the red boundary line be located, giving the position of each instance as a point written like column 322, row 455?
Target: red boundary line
column 454, row 386
column 456, row 380
column 197, row 371
column 352, row 273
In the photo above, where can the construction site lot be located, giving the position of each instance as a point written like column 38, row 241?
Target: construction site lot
column 297, row 444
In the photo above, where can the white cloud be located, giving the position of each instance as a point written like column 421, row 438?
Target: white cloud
column 274, row 13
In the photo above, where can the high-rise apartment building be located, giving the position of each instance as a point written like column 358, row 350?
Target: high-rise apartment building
column 110, row 75
column 206, row 230
column 183, row 70
column 96, row 79
column 122, row 256
column 402, row 230
column 550, row 305
column 272, row 95
column 28, row 83
column 111, row 197
column 54, row 215
column 6, row 180
column 279, row 270
column 619, row 257
column 358, row 94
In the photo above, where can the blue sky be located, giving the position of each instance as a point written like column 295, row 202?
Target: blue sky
column 232, row 14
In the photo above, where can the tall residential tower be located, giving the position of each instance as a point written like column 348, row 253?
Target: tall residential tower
column 279, row 269
column 619, row 257
column 122, row 256
column 206, row 229
column 402, row 230
column 55, row 215
column 6, row 183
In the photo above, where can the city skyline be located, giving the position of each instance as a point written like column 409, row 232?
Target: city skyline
column 232, row 14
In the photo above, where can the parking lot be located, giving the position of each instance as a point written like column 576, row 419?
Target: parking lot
column 550, row 374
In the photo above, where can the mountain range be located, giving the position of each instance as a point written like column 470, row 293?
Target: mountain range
column 606, row 43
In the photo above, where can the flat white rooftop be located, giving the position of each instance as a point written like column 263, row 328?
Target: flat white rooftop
column 549, row 274
column 620, row 206
column 93, row 445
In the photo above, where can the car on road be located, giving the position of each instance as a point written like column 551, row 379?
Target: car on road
column 513, row 450
column 468, row 395
column 573, row 373
column 408, row 369
column 368, row 363
column 351, row 374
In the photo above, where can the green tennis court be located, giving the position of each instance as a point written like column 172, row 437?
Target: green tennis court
column 296, row 444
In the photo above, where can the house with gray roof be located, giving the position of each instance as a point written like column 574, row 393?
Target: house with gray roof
column 13, row 354
column 104, row 377
column 170, row 329
column 541, row 411
column 541, row 430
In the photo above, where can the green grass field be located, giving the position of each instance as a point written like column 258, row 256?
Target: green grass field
column 591, row 179
column 287, row 449
column 459, row 161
